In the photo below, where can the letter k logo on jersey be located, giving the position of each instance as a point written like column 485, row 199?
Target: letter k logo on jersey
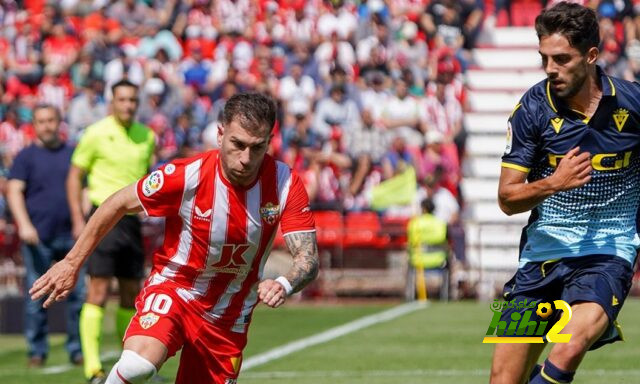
column 205, row 216
column 231, row 259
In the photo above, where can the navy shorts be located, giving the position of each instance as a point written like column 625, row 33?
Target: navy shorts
column 121, row 252
column 602, row 279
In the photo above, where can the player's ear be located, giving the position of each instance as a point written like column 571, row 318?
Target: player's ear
column 220, row 134
column 592, row 55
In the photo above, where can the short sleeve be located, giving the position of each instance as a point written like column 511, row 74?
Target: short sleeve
column 161, row 191
column 297, row 216
column 86, row 150
column 20, row 169
column 519, row 153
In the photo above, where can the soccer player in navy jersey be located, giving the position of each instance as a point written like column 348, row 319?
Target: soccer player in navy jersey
column 572, row 160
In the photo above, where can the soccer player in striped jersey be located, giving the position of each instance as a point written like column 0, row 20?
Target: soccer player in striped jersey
column 222, row 212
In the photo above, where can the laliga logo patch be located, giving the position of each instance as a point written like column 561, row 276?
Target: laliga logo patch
column 147, row 321
column 270, row 213
column 152, row 183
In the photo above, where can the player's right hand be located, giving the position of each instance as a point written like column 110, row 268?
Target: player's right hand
column 28, row 234
column 574, row 170
column 57, row 282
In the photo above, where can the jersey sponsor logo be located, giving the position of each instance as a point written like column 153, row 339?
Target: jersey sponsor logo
column 232, row 260
column 556, row 122
column 600, row 161
column 507, row 149
column 169, row 169
column 148, row 320
column 620, row 117
column 205, row 216
column 270, row 213
column 153, row 183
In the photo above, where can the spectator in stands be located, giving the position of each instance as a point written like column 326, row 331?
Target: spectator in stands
column 335, row 111
column 632, row 72
column 37, row 197
column 402, row 113
column 85, row 68
column 86, row 108
column 297, row 88
column 12, row 135
column 127, row 157
column 411, row 53
column 135, row 18
column 398, row 156
column 366, row 144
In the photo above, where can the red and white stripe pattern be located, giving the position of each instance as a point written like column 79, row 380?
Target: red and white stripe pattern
column 217, row 236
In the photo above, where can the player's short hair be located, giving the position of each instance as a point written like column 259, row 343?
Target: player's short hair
column 123, row 83
column 252, row 110
column 577, row 23
column 48, row 106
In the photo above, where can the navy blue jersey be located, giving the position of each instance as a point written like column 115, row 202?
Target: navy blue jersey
column 599, row 217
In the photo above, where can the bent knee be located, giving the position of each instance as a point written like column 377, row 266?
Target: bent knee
column 133, row 368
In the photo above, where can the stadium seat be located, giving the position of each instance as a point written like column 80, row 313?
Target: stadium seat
column 329, row 228
column 396, row 229
column 362, row 230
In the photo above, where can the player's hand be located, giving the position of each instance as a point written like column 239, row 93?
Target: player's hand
column 77, row 227
column 574, row 170
column 271, row 293
column 57, row 282
column 28, row 234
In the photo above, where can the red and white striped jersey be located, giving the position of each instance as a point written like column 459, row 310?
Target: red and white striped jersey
column 218, row 236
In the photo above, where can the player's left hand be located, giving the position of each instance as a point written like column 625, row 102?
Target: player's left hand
column 271, row 293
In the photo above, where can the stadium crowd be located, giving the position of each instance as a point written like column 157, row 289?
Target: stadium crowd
column 365, row 89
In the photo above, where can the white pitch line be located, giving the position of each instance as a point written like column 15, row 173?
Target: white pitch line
column 330, row 334
column 413, row 373
column 67, row 367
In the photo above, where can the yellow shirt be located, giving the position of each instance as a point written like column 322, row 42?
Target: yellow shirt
column 113, row 156
column 427, row 241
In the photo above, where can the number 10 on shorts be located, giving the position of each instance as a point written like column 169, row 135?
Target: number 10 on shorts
column 158, row 303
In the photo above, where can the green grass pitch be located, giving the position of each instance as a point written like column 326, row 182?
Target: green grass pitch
column 439, row 344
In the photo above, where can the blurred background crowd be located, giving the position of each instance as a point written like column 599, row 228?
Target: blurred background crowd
column 366, row 89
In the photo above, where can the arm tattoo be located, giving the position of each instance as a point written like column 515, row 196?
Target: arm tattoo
column 304, row 249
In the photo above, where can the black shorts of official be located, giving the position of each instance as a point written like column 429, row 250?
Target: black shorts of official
column 120, row 253
column 602, row 279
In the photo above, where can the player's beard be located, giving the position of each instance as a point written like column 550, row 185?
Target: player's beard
column 572, row 88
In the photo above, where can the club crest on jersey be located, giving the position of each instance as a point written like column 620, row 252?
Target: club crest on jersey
column 153, row 183
column 620, row 117
column 147, row 321
column 270, row 213
column 169, row 169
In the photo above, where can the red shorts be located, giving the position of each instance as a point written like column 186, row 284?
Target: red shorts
column 210, row 354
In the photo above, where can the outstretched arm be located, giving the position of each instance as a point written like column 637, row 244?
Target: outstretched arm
column 304, row 249
column 61, row 278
